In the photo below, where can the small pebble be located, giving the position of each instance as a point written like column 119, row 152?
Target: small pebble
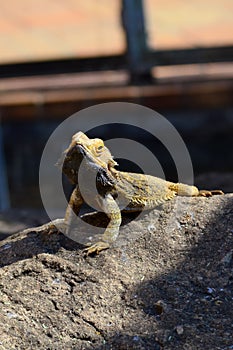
column 6, row 246
column 136, row 338
column 151, row 228
column 11, row 315
column 180, row 330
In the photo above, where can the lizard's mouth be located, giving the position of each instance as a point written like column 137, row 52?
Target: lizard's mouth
column 93, row 159
column 80, row 149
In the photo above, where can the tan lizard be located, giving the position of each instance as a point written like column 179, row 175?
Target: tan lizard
column 116, row 191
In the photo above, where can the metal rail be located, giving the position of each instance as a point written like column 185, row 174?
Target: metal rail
column 119, row 62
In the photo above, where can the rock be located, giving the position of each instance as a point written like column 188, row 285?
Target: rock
column 51, row 297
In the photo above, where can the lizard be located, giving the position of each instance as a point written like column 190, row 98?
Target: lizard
column 116, row 191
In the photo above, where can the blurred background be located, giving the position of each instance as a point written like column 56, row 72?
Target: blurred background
column 58, row 57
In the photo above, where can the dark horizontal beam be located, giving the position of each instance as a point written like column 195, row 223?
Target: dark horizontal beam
column 119, row 62
column 59, row 66
column 190, row 56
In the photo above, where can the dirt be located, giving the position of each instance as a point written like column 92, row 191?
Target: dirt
column 166, row 284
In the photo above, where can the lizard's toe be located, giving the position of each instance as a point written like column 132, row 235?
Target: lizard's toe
column 95, row 248
column 206, row 193
column 216, row 192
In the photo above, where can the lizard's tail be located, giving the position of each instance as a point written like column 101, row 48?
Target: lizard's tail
column 192, row 191
column 187, row 190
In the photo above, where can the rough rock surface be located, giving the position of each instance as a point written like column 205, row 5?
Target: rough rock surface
column 167, row 284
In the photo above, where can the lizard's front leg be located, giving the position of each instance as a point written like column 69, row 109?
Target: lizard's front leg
column 111, row 209
column 72, row 210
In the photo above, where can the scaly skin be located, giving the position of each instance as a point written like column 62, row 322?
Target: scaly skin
column 87, row 159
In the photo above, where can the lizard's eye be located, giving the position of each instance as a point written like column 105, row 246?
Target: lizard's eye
column 97, row 146
column 99, row 149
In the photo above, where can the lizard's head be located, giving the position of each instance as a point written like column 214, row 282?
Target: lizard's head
column 95, row 153
column 94, row 150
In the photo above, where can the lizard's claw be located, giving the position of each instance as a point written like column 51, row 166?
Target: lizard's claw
column 96, row 248
column 206, row 193
column 50, row 230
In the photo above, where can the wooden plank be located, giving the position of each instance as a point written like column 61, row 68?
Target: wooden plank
column 61, row 103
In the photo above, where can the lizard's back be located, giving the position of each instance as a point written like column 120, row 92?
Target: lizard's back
column 138, row 191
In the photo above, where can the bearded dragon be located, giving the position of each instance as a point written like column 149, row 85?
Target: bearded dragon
column 113, row 191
